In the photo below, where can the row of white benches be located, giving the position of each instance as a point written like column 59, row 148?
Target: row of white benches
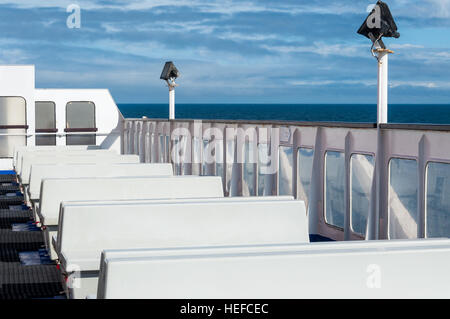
column 148, row 234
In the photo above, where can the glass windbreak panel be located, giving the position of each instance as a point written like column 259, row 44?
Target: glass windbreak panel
column 212, row 157
column 231, row 169
column 249, row 186
column 167, row 148
column 438, row 200
column 153, row 153
column 162, row 148
column 265, row 171
column 45, row 120
column 403, row 186
column 196, row 155
column 176, row 154
column 362, row 167
column 80, row 115
column 206, row 158
column 219, row 157
column 304, row 170
column 12, row 112
column 334, row 188
column 285, row 166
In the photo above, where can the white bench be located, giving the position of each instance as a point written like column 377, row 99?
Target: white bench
column 86, row 229
column 76, row 157
column 19, row 150
column 40, row 172
column 418, row 269
column 56, row 152
column 56, row 191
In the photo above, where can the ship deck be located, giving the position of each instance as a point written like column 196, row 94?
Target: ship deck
column 26, row 270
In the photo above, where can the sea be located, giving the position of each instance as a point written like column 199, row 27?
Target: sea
column 365, row 113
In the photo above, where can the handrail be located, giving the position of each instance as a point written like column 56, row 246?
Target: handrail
column 400, row 126
column 13, row 127
column 46, row 130
column 416, row 126
column 53, row 134
column 263, row 122
column 81, row 129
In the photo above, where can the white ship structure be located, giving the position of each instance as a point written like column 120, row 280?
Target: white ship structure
column 95, row 205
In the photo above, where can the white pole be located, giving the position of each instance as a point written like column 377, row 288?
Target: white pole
column 171, row 102
column 382, row 103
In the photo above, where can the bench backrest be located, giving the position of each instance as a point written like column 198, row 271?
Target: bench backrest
column 92, row 158
column 392, row 272
column 313, row 247
column 55, row 191
column 58, row 151
column 40, row 172
column 19, row 150
column 27, row 155
column 89, row 229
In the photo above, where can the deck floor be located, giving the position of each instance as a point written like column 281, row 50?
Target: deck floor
column 26, row 270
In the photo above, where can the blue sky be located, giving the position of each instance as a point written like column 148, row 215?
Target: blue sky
column 273, row 51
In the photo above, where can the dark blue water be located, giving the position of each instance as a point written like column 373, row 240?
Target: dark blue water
column 398, row 113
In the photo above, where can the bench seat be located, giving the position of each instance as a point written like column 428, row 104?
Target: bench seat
column 415, row 270
column 172, row 223
column 40, row 172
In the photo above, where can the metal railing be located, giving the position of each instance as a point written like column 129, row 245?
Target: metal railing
column 359, row 180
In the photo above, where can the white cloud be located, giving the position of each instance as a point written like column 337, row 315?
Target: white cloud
column 439, row 8
column 323, row 49
column 110, row 27
column 13, row 56
column 210, row 6
column 409, row 8
column 405, row 46
column 332, row 82
column 373, row 83
column 421, row 84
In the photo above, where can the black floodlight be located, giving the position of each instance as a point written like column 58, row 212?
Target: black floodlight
column 169, row 72
column 379, row 24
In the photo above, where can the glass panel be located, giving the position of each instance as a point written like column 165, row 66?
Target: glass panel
column 334, row 188
column 45, row 119
column 153, row 153
column 206, row 158
column 403, row 213
column 230, row 186
column 212, row 157
column 162, row 148
column 12, row 112
column 219, row 157
column 249, row 187
column 196, row 156
column 438, row 200
column 305, row 163
column 362, row 167
column 80, row 115
column 265, row 177
column 175, row 152
column 285, row 165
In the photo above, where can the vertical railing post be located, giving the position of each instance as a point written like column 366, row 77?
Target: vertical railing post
column 379, row 205
column 347, row 190
column 382, row 100
column 171, row 103
column 315, row 209
column 421, row 191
